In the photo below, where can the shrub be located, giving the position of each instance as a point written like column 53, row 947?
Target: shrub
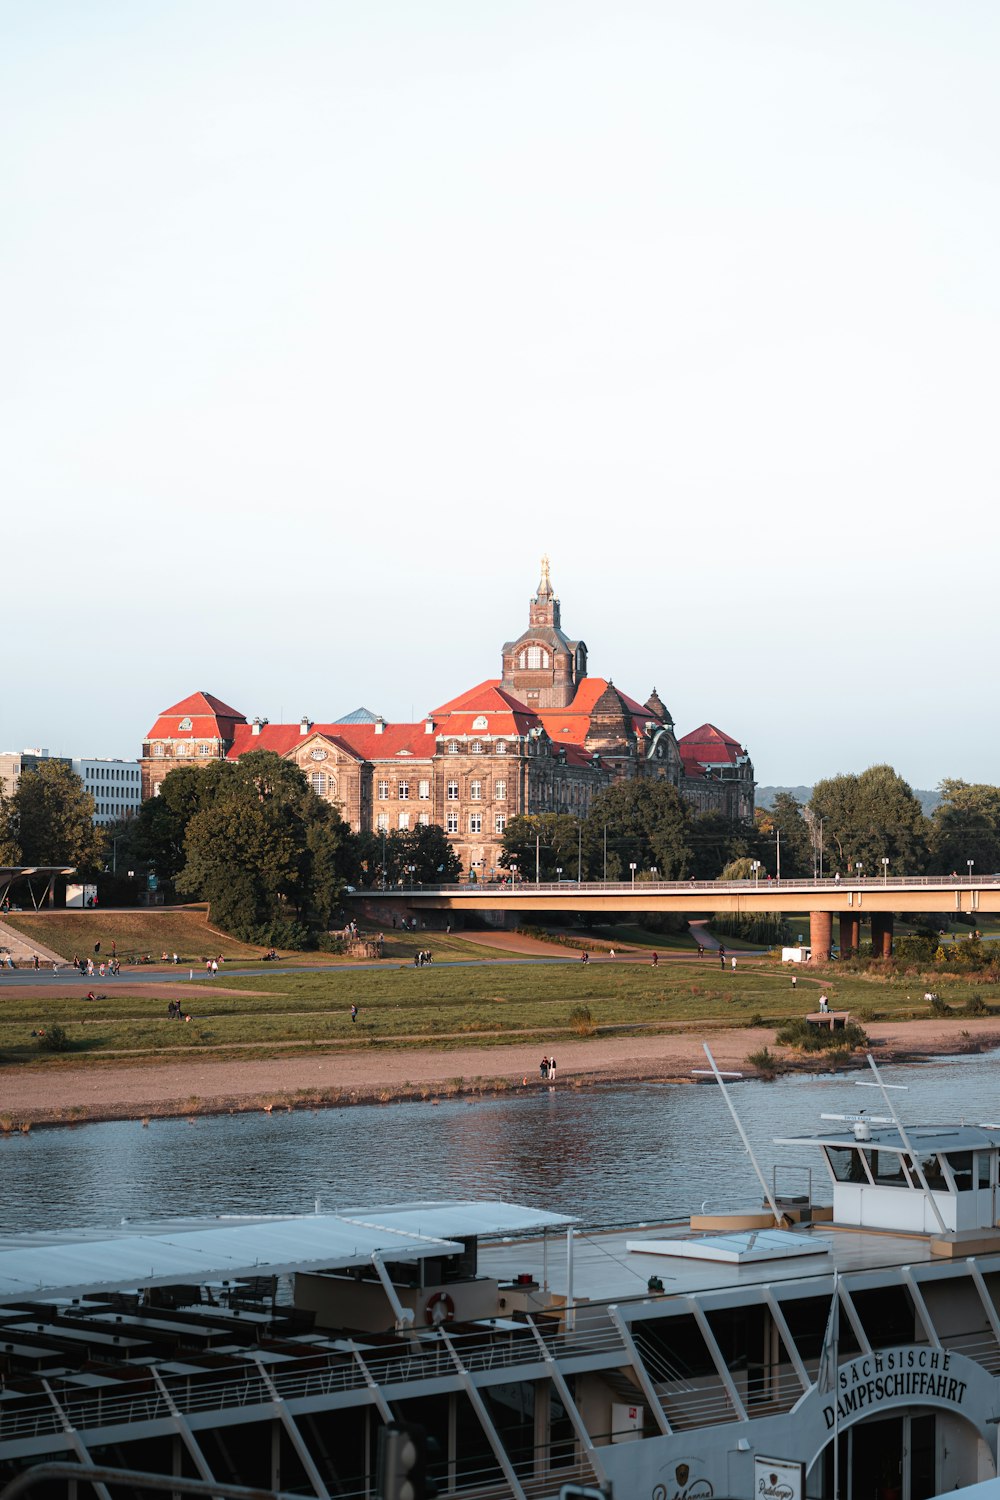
column 811, row 1038
column 756, row 1020
column 976, row 1006
column 582, row 1021
column 54, row 1039
column 939, row 1007
column 765, row 1062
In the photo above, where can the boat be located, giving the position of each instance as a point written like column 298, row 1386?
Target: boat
column 840, row 1341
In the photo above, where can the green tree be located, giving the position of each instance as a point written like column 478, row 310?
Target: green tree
column 10, row 849
column 966, row 825
column 162, row 821
column 784, row 822
column 52, row 821
column 716, row 840
column 269, row 855
column 643, row 822
column 551, row 838
column 870, row 817
column 428, row 850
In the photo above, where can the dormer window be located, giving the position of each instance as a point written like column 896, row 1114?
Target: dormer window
column 477, row 747
column 481, row 723
column 453, row 747
column 501, row 747
column 185, row 726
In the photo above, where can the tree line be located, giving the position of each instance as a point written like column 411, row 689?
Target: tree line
column 252, row 838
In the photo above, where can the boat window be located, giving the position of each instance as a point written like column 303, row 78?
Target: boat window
column 961, row 1168
column 983, row 1168
column 846, row 1163
column 888, row 1169
column 933, row 1173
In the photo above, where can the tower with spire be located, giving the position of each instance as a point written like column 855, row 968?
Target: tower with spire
column 543, row 667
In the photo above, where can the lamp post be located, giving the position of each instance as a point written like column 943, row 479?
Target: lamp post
column 654, row 872
column 755, row 867
column 513, row 874
column 859, row 867
column 970, row 863
column 632, row 867
column 605, row 851
column 559, row 874
column 411, row 870
column 885, row 869
column 579, row 854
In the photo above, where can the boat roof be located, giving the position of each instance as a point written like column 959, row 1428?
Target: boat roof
column 938, row 1138
column 77, row 1262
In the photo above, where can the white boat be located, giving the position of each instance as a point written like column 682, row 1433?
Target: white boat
column 727, row 1356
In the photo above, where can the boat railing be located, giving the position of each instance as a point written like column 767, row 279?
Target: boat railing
column 245, row 1386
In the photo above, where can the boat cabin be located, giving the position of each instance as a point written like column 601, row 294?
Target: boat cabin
column 943, row 1181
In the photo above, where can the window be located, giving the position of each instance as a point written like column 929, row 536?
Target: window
column 453, row 747
column 453, row 791
column 382, row 822
column 477, row 747
column 533, row 658
column 424, row 819
column 317, row 780
column 451, row 822
column 404, row 791
column 500, row 790
column 475, row 822
column 204, row 749
column 476, row 791
column 423, row 790
column 404, row 820
column 501, row 747
column 482, row 722
column 183, row 748
column 499, row 823
column 383, row 791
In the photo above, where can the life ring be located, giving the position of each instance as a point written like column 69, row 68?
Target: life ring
column 439, row 1309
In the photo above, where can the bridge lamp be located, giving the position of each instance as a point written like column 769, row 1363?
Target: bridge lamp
column 755, row 867
column 885, row 867
column 559, row 873
column 632, row 867
column 970, row 863
column 859, row 867
column 654, row 871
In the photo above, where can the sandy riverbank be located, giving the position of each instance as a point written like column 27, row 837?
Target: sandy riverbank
column 39, row 1096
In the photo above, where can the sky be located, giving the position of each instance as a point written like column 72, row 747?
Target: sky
column 321, row 322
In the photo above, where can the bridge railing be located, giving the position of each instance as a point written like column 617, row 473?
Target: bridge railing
column 642, row 887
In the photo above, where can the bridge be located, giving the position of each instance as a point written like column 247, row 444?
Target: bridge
column 851, row 900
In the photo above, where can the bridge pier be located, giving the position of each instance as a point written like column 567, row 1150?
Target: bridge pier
column 850, row 934
column 882, row 934
column 820, row 935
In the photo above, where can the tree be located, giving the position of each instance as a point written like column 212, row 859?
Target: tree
column 162, row 821
column 783, row 822
column 429, row 851
column 268, row 854
column 548, row 841
column 868, row 818
column 645, row 823
column 716, row 840
column 52, row 819
column 966, row 825
column 10, row 849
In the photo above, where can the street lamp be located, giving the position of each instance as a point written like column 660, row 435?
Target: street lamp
column 885, row 869
column 559, row 873
column 654, row 872
column 411, row 870
column 632, row 867
column 970, row 863
column 513, row 874
column 755, row 867
column 859, row 867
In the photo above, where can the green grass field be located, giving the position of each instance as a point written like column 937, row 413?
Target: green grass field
column 445, row 1007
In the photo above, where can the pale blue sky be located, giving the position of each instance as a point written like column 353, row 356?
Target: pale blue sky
column 321, row 322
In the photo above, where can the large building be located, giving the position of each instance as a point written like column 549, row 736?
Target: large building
column 544, row 737
column 115, row 785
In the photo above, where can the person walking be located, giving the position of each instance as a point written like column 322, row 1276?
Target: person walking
column 354, row 1015
column 656, row 959
column 552, row 1070
column 734, row 963
column 722, row 959
column 795, row 980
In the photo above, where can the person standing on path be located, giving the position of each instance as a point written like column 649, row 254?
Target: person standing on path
column 722, row 960
column 795, row 980
column 354, row 1014
column 734, row 963
column 552, row 1070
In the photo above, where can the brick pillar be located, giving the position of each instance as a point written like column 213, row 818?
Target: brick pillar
column 820, row 935
column 882, row 934
column 850, row 933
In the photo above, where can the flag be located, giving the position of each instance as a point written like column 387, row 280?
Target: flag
column 826, row 1376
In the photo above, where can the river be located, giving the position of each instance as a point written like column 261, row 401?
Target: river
column 605, row 1154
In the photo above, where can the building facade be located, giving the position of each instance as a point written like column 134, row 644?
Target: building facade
column 543, row 737
column 115, row 785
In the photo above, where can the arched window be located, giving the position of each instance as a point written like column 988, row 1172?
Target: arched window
column 477, row 747
column 501, row 747
column 317, row 780
column 453, row 747
column 533, row 658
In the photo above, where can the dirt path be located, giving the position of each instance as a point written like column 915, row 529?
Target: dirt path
column 48, row 1095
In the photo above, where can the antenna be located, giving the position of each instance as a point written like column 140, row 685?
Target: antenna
column 862, row 1123
column 914, row 1159
column 715, row 1073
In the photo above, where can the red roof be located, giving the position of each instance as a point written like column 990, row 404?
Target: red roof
column 504, row 713
column 709, row 746
column 570, row 725
column 210, row 718
column 360, row 740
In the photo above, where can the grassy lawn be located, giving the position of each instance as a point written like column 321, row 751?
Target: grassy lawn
column 436, row 1006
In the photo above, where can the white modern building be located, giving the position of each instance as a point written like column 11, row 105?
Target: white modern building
column 115, row 785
